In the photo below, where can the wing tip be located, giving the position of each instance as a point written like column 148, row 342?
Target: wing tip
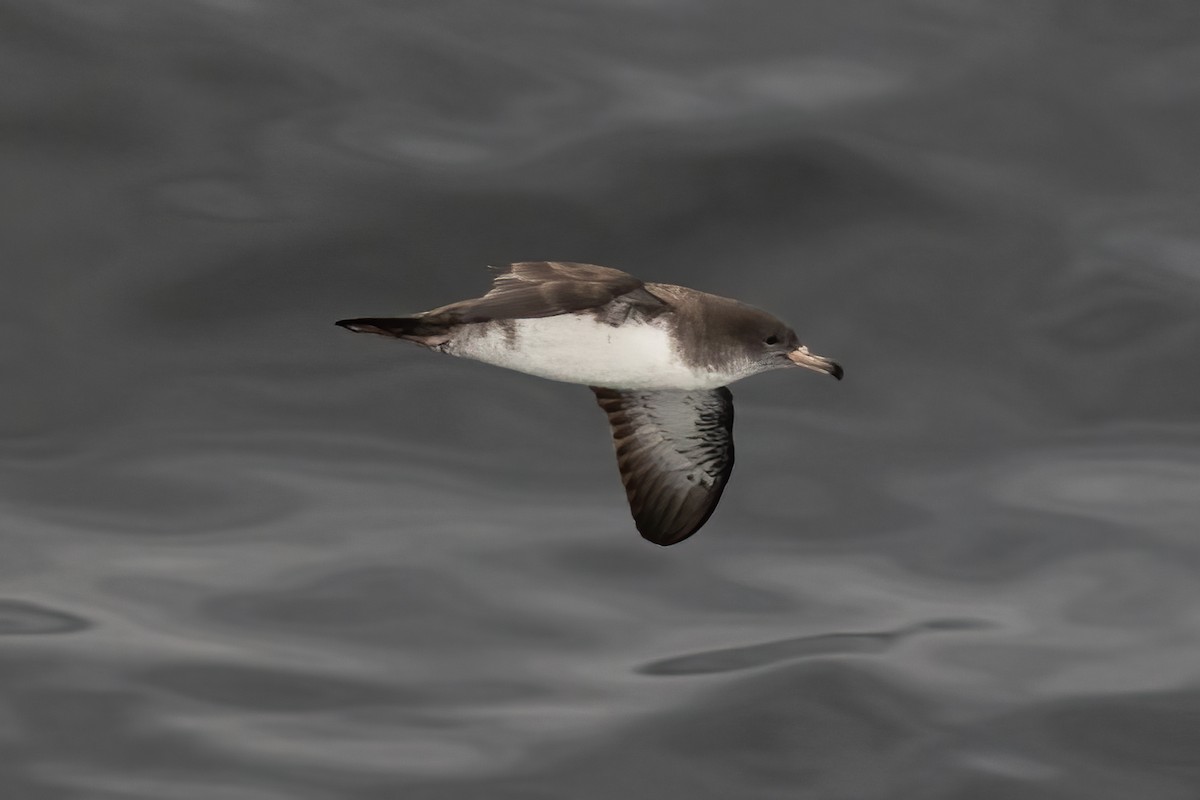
column 669, row 531
column 666, row 541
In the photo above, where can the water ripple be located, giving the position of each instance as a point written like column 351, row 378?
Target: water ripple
column 23, row 618
column 732, row 659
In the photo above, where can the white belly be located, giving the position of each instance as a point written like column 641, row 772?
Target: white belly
column 575, row 348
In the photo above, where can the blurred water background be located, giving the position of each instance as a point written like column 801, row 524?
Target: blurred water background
column 249, row 556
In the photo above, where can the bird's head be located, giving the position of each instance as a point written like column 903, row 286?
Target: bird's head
column 780, row 347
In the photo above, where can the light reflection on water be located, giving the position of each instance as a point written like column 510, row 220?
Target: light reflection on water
column 249, row 556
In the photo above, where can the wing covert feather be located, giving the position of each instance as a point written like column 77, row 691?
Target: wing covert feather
column 675, row 454
column 533, row 289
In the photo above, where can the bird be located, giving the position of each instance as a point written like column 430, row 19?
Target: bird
column 658, row 357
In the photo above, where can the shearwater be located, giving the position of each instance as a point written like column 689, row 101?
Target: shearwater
column 657, row 356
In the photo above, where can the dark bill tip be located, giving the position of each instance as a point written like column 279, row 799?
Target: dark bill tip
column 801, row 357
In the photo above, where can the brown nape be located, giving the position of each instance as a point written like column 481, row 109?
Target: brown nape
column 712, row 329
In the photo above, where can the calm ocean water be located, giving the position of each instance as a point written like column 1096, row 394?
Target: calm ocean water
column 248, row 556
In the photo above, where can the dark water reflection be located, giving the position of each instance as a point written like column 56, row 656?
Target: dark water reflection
column 248, row 556
column 769, row 653
column 22, row 618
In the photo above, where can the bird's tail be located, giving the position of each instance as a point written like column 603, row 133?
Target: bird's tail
column 417, row 329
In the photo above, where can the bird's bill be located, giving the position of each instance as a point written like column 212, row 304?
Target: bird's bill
column 802, row 358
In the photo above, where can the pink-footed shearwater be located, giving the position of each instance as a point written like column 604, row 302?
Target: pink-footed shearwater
column 657, row 356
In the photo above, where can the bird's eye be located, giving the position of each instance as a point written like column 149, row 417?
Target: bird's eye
column 771, row 340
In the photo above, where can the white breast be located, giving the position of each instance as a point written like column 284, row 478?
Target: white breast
column 577, row 348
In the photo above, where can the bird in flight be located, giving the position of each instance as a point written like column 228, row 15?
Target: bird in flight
column 658, row 358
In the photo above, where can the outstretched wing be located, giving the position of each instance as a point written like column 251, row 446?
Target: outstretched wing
column 675, row 453
column 530, row 289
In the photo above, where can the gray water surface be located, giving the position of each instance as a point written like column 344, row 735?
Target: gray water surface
column 249, row 556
